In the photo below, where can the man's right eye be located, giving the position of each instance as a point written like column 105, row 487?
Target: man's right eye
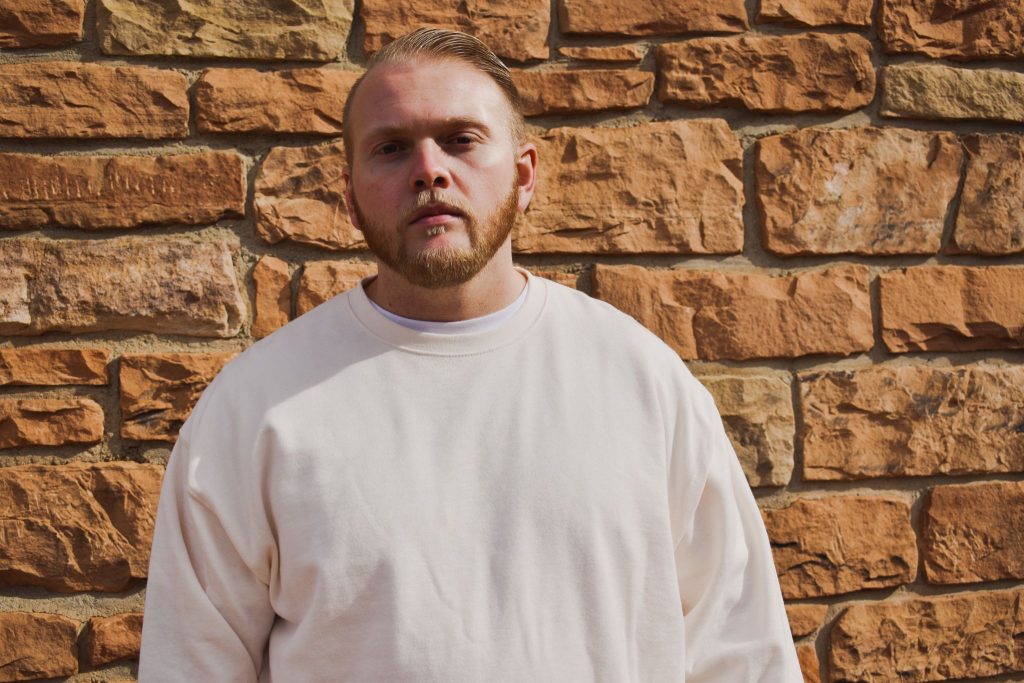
column 387, row 149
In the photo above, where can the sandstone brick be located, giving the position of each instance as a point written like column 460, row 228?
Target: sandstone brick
column 805, row 619
column 273, row 306
column 109, row 639
column 253, row 29
column 286, row 101
column 53, row 367
column 936, row 91
column 742, row 315
column 830, row 191
column 758, row 416
column 958, row 29
column 991, row 216
column 91, row 192
column 158, row 391
column 28, row 23
column 912, row 420
column 816, row 13
column 841, row 544
column 153, row 285
column 951, row 308
column 810, row 667
column 974, row 532
column 930, row 639
column 323, row 279
column 36, row 646
column 604, row 53
column 49, row 422
column 75, row 100
column 79, row 526
column 583, row 90
column 562, row 277
column 516, row 30
column 673, row 187
column 299, row 196
column 808, row 72
column 621, row 17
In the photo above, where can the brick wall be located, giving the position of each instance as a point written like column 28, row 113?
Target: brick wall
column 819, row 204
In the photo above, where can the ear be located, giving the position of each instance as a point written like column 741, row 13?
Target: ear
column 346, row 176
column 526, row 170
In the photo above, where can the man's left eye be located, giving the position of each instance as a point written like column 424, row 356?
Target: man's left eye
column 462, row 139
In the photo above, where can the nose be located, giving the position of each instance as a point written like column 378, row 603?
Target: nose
column 429, row 168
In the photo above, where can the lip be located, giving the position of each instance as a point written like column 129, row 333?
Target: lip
column 435, row 214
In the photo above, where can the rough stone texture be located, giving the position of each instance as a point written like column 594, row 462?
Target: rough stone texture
column 621, row 17
column 323, row 279
column 251, row 29
column 90, row 192
column 672, row 187
column 36, row 646
column 841, row 544
column 158, row 391
column 49, row 422
column 991, row 216
column 810, row 667
column 974, row 532
column 758, row 416
column 273, row 304
column 805, row 619
column 737, row 315
column 808, row 72
column 831, row 191
column 516, row 30
column 816, row 12
column 30, row 23
column 958, row 29
column 936, row 91
column 930, row 639
column 610, row 53
column 287, row 101
column 53, row 367
column 583, row 90
column 75, row 100
column 299, row 196
column 566, row 279
column 78, row 526
column 109, row 639
column 952, row 308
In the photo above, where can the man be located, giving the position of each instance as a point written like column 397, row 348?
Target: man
column 457, row 471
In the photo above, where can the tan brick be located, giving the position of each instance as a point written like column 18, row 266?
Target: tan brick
column 604, row 53
column 808, row 72
column 816, row 12
column 578, row 91
column 758, row 416
column 841, row 544
column 810, row 667
column 974, row 532
column 80, row 526
column 53, row 367
column 30, row 23
column 273, row 303
column 252, row 29
column 153, row 285
column 566, row 279
column 912, row 420
column 517, row 30
column 831, row 191
column 991, row 216
column 672, row 187
column 36, row 646
column 286, row 101
column 299, row 196
column 805, row 619
column 323, row 279
column 959, row 29
column 930, row 639
column 952, row 308
column 109, row 639
column 741, row 315
column 158, row 391
column 90, row 192
column 49, row 422
column 75, row 100
column 621, row 17
column 936, row 91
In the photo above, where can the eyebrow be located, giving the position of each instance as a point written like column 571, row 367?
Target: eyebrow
column 450, row 123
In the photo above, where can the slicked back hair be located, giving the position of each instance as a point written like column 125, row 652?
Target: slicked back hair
column 441, row 44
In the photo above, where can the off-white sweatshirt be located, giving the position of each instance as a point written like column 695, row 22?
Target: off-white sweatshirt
column 552, row 500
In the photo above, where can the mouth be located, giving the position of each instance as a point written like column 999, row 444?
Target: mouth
column 434, row 215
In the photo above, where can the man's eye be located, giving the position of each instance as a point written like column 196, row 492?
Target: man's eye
column 462, row 139
column 387, row 148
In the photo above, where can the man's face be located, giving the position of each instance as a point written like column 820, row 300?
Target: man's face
column 436, row 179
